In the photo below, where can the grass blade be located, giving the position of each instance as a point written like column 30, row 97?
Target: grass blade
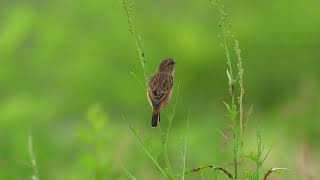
column 185, row 148
column 274, row 170
column 173, row 113
column 136, row 134
column 129, row 175
column 33, row 162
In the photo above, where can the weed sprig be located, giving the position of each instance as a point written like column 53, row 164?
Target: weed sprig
column 128, row 8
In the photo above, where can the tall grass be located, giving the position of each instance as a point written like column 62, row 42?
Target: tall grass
column 128, row 7
column 234, row 107
column 167, row 171
column 184, row 154
column 32, row 156
column 149, row 154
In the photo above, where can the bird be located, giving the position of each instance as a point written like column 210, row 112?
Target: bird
column 160, row 88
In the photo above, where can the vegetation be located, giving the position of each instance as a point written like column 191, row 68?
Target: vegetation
column 245, row 103
column 235, row 109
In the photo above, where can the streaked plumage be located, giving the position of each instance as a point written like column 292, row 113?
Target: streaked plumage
column 160, row 88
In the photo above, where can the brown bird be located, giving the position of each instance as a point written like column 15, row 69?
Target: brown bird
column 160, row 88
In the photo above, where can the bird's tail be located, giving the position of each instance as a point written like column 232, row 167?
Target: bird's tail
column 155, row 118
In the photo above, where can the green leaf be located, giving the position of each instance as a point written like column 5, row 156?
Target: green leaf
column 227, row 107
column 274, row 170
column 229, row 77
column 279, row 170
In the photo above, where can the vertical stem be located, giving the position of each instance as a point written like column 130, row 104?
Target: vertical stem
column 258, row 162
column 165, row 152
column 185, row 148
column 240, row 100
column 153, row 159
column 235, row 156
column 225, row 35
column 136, row 36
column 165, row 135
column 167, row 160
column 35, row 175
column 240, row 74
column 237, row 120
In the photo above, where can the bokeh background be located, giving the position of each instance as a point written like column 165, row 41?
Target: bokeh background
column 60, row 58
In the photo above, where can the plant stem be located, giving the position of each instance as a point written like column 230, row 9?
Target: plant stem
column 259, row 155
column 165, row 152
column 35, row 175
column 136, row 134
column 226, row 34
column 128, row 8
column 185, row 148
column 240, row 101
column 167, row 160
column 215, row 168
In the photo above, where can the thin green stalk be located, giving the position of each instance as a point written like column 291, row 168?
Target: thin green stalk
column 165, row 135
column 136, row 134
column 237, row 127
column 173, row 113
column 128, row 8
column 215, row 168
column 165, row 152
column 259, row 155
column 235, row 151
column 245, row 127
column 137, row 79
column 274, row 170
column 185, row 148
column 129, row 175
column 260, row 160
column 241, row 94
column 167, row 160
column 33, row 162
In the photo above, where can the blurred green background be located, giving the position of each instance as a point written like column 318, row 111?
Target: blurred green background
column 59, row 58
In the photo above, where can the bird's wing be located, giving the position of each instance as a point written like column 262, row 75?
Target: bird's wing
column 159, row 87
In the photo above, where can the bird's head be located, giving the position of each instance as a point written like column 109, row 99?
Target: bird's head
column 167, row 65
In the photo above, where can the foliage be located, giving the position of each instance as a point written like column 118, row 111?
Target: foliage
column 60, row 57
